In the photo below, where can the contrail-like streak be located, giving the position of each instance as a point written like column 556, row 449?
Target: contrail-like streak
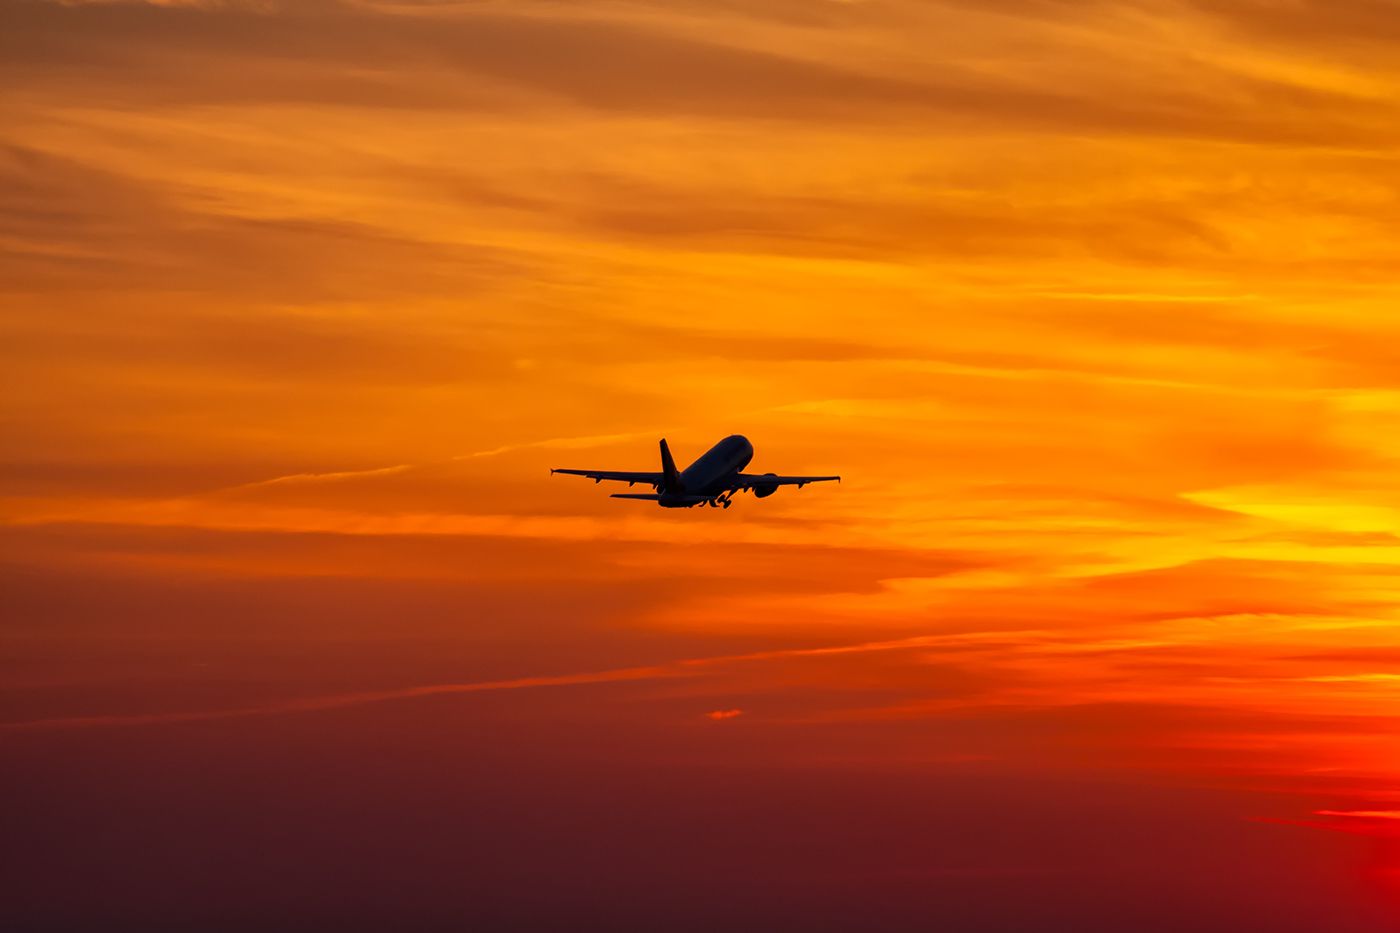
column 340, row 700
column 673, row 669
column 323, row 477
column 563, row 443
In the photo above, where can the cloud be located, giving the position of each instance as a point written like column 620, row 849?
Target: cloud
column 720, row 714
column 595, row 63
column 68, row 225
column 340, row 701
column 1361, row 814
column 688, row 667
column 476, row 58
column 1307, row 23
column 1092, row 304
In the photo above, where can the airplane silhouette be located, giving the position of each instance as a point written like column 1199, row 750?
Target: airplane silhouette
column 711, row 480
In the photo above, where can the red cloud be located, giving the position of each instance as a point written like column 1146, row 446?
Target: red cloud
column 724, row 713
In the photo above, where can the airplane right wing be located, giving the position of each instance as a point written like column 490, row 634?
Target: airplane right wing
column 617, row 476
column 750, row 480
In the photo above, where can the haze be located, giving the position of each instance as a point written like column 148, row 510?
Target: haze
column 1091, row 305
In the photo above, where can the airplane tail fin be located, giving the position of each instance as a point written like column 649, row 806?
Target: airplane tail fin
column 668, row 469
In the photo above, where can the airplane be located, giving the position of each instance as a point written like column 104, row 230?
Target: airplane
column 711, row 480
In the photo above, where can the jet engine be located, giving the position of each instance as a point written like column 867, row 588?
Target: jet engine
column 764, row 490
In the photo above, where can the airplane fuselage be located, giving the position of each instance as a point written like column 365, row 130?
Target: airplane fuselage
column 711, row 474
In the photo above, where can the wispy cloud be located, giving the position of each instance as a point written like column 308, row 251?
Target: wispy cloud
column 1093, row 307
column 688, row 667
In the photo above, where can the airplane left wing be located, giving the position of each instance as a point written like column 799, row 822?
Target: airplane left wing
column 744, row 481
column 617, row 476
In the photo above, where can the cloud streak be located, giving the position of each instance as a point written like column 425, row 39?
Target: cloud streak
column 689, row 667
column 1093, row 307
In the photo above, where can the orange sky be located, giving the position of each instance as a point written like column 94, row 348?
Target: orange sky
column 1091, row 304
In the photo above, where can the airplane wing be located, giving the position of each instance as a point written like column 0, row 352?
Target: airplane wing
column 618, row 476
column 750, row 480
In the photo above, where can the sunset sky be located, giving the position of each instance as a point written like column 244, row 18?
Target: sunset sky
column 1092, row 304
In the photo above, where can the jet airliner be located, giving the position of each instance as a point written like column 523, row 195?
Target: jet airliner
column 712, row 480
